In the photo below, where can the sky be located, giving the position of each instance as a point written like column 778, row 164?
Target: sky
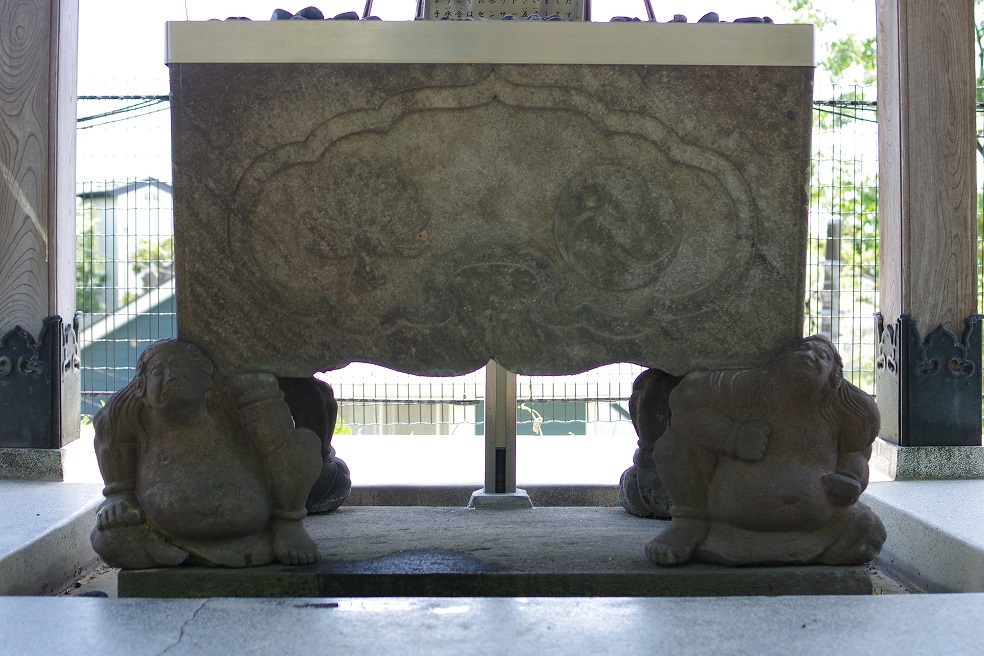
column 121, row 52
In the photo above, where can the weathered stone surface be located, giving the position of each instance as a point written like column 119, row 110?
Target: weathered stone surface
column 210, row 470
column 32, row 464
column 765, row 466
column 927, row 463
column 431, row 217
column 400, row 551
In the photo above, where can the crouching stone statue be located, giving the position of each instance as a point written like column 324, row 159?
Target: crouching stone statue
column 211, row 470
column 765, row 466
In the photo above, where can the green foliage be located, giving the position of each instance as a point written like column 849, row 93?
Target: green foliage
column 87, row 419
column 849, row 59
column 805, row 12
column 90, row 269
column 854, row 200
column 154, row 255
column 341, row 428
column 852, row 51
column 848, row 106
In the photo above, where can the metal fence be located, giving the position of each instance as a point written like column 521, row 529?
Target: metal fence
column 842, row 261
column 125, row 288
column 374, row 400
column 127, row 294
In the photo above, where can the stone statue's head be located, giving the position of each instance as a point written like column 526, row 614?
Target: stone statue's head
column 813, row 364
column 174, row 379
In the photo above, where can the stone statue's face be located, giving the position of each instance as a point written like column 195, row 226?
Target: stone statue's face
column 810, row 363
column 176, row 387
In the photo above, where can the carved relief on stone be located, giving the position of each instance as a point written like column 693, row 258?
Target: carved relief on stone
column 614, row 230
column 211, row 470
column 392, row 223
column 765, row 466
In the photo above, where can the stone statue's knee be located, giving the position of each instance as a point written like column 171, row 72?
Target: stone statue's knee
column 300, row 454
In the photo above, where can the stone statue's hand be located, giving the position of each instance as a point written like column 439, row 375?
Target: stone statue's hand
column 118, row 511
column 751, row 441
column 842, row 489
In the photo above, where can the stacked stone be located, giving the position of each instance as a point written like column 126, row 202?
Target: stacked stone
column 313, row 13
column 710, row 17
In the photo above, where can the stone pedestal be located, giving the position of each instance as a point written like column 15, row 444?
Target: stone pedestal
column 454, row 552
column 34, row 464
column 927, row 463
column 482, row 500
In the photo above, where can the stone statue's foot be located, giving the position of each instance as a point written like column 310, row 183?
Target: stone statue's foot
column 291, row 543
column 641, row 493
column 135, row 547
column 677, row 543
column 332, row 487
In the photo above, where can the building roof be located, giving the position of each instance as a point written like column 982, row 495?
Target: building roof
column 106, row 188
column 143, row 304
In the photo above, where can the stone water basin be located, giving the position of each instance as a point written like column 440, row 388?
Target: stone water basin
column 428, row 196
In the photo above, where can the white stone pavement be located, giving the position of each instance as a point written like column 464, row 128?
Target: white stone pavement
column 936, row 543
column 805, row 626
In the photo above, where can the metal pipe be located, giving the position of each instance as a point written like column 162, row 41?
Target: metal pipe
column 500, row 429
column 649, row 10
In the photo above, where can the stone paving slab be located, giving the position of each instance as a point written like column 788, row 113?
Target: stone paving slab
column 44, row 534
column 805, row 626
column 421, row 551
column 935, row 538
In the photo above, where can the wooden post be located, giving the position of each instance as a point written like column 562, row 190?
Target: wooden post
column 39, row 367
column 929, row 365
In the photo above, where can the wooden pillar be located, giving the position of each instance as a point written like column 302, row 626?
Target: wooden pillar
column 929, row 365
column 39, row 368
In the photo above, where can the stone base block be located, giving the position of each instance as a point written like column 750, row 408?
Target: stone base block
column 920, row 463
column 448, row 552
column 32, row 464
column 422, row 575
column 44, row 535
column 482, row 500
column 69, row 463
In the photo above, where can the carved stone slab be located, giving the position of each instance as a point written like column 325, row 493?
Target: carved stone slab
column 429, row 217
